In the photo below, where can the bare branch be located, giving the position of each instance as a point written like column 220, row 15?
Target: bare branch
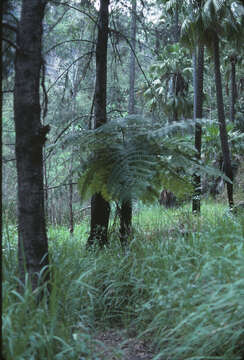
column 66, row 128
column 8, row 91
column 58, row 186
column 10, row 43
column 10, row 27
column 61, row 133
column 58, row 21
column 45, row 97
column 67, row 69
column 75, row 8
column 8, row 160
column 67, row 41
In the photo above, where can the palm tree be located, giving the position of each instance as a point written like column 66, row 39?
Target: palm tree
column 198, row 114
column 221, row 119
column 191, row 38
column 217, row 20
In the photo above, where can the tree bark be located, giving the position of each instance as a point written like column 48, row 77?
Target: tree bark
column 126, row 206
column 1, row 114
column 198, row 113
column 30, row 138
column 233, row 87
column 71, row 214
column 125, row 221
column 176, row 25
column 131, row 107
column 100, row 211
column 221, row 119
column 100, row 208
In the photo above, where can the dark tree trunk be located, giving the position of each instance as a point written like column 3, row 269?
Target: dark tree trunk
column 233, row 60
column 157, row 42
column 222, row 125
column 45, row 179
column 131, row 107
column 167, row 198
column 1, row 113
column 126, row 206
column 125, row 221
column 176, row 25
column 100, row 211
column 71, row 214
column 30, row 138
column 100, row 208
column 198, row 113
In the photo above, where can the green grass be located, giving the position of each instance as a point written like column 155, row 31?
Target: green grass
column 180, row 284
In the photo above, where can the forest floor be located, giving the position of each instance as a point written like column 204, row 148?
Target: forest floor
column 119, row 344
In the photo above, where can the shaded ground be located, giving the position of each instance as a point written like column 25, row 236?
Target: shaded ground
column 118, row 345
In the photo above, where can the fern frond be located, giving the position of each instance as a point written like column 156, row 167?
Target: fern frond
column 136, row 157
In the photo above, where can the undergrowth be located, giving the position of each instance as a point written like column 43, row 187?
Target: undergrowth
column 179, row 285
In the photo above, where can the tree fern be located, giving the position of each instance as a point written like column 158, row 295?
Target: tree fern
column 136, row 158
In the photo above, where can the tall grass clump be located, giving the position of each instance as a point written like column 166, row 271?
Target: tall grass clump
column 56, row 328
column 197, row 297
column 179, row 284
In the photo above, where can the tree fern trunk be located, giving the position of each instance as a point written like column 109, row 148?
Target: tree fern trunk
column 100, row 208
column 126, row 206
column 125, row 221
column 221, row 119
column 198, row 113
column 100, row 211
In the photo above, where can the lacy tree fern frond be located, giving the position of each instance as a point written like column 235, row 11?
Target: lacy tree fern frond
column 135, row 158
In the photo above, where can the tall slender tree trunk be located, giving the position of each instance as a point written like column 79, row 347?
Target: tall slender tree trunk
column 176, row 25
column 233, row 60
column 45, row 179
column 1, row 114
column 222, row 125
column 100, row 208
column 126, row 206
column 198, row 113
column 30, row 138
column 131, row 107
column 71, row 213
column 157, row 41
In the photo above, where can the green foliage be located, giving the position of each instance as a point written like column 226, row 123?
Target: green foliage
column 213, row 16
column 136, row 157
column 169, row 82
column 179, row 284
column 211, row 140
